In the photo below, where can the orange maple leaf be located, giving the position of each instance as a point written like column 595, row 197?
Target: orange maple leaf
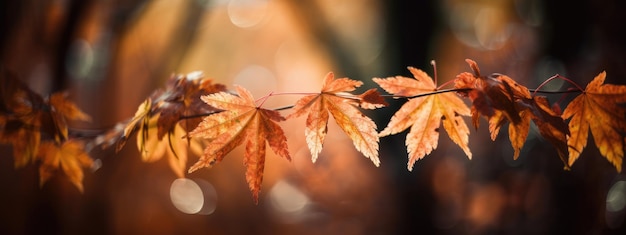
column 598, row 109
column 68, row 156
column 61, row 110
column 334, row 98
column 425, row 114
column 241, row 121
column 517, row 132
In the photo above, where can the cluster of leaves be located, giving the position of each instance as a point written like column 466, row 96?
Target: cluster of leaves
column 163, row 120
column 245, row 121
column 192, row 112
column 599, row 109
column 37, row 129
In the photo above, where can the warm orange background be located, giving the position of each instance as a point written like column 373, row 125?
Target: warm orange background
column 111, row 54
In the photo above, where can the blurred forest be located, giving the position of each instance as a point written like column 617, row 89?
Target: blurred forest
column 111, row 54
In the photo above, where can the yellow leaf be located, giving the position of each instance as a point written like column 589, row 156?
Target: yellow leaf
column 174, row 146
column 598, row 109
column 140, row 120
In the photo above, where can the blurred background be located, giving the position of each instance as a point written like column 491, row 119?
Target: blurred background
column 112, row 54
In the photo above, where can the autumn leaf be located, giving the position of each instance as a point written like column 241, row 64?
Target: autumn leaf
column 162, row 122
column 24, row 136
column 550, row 124
column 21, row 111
column 61, row 110
column 173, row 146
column 242, row 121
column 371, row 99
column 517, row 132
column 68, row 157
column 599, row 109
column 335, row 99
column 139, row 121
column 59, row 102
column 181, row 98
column 178, row 104
column 17, row 98
column 152, row 148
column 26, row 119
column 425, row 114
column 500, row 100
column 497, row 92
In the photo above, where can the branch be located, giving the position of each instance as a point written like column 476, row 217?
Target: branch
column 431, row 93
column 199, row 115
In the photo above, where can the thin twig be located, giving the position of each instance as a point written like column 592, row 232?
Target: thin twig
column 199, row 115
column 430, row 93
column 555, row 92
column 284, row 108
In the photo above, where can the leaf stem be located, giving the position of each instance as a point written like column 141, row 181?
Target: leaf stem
column 445, row 84
column 571, row 90
column 434, row 64
column 264, row 98
column 555, row 77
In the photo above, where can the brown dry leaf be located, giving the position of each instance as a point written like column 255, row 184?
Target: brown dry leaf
column 490, row 94
column 599, row 109
column 182, row 98
column 499, row 99
column 69, row 157
column 334, row 98
column 371, row 99
column 550, row 124
column 241, row 121
column 424, row 115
